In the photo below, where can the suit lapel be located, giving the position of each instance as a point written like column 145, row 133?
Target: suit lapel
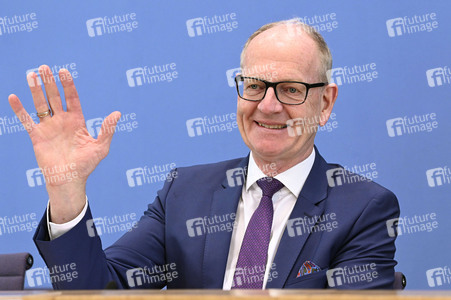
column 224, row 203
column 307, row 206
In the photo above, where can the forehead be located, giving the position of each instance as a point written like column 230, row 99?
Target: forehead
column 282, row 53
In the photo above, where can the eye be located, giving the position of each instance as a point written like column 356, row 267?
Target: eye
column 254, row 87
column 292, row 90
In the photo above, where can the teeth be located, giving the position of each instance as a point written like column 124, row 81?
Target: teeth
column 272, row 126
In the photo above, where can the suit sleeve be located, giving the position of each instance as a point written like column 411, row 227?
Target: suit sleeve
column 143, row 247
column 366, row 259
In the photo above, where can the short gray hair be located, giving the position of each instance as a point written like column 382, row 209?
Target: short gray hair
column 324, row 51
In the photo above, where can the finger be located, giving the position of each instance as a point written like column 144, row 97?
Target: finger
column 38, row 96
column 51, row 90
column 21, row 113
column 108, row 128
column 70, row 92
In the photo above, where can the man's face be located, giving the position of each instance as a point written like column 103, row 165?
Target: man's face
column 263, row 124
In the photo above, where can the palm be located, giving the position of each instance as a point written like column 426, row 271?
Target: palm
column 64, row 141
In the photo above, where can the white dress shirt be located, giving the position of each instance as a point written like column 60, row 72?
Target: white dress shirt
column 57, row 230
column 284, row 200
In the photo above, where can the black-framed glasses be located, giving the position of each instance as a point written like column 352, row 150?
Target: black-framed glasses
column 287, row 92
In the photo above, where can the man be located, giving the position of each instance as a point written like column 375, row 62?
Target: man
column 298, row 221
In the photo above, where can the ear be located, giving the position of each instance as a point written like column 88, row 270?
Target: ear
column 329, row 96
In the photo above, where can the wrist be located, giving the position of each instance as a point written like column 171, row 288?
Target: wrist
column 66, row 201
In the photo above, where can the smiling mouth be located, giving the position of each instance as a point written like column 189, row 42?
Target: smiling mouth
column 271, row 126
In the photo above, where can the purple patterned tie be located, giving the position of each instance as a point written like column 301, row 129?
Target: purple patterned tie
column 251, row 265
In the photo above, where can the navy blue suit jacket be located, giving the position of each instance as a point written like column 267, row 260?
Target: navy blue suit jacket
column 164, row 235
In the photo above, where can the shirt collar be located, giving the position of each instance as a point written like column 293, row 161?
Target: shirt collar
column 293, row 178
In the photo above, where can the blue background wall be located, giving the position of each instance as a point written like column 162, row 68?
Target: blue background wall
column 357, row 32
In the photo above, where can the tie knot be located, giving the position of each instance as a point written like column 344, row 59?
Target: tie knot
column 269, row 186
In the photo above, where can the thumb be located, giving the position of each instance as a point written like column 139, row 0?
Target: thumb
column 108, row 128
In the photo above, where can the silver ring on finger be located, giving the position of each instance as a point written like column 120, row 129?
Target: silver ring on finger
column 44, row 114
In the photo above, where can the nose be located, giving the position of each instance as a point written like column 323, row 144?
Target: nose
column 270, row 104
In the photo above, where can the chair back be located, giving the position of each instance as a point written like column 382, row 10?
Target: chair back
column 400, row 281
column 12, row 270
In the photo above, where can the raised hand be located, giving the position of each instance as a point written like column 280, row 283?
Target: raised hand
column 64, row 149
